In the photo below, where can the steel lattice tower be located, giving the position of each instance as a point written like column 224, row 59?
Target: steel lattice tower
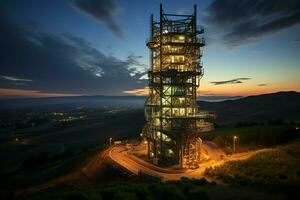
column 174, row 123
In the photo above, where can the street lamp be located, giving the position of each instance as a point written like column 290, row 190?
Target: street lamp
column 110, row 139
column 234, row 140
column 200, row 148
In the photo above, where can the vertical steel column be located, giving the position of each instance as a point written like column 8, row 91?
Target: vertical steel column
column 160, row 66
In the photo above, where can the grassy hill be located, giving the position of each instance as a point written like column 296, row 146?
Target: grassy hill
column 252, row 137
column 276, row 169
column 260, row 108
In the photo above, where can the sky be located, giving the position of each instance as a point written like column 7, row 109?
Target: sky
column 97, row 47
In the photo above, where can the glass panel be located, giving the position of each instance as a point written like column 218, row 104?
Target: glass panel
column 166, row 112
column 178, row 38
column 166, row 138
column 179, row 91
column 156, row 122
column 167, row 90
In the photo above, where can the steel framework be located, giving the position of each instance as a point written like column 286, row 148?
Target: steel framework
column 174, row 122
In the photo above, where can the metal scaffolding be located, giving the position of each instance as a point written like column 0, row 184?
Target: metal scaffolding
column 174, row 122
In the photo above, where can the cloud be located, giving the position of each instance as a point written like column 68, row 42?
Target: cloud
column 203, row 92
column 10, row 78
column 63, row 63
column 233, row 81
column 137, row 92
column 262, row 85
column 297, row 40
column 104, row 11
column 246, row 21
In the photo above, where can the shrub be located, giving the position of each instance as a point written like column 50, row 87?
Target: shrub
column 197, row 193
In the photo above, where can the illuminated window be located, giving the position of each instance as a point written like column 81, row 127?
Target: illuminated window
column 178, row 112
column 178, row 101
column 166, row 112
column 166, row 100
column 177, row 59
column 190, row 111
column 167, row 90
column 158, row 134
column 179, row 91
column 177, row 49
column 178, row 38
column 170, row 152
column 166, row 138
column 156, row 122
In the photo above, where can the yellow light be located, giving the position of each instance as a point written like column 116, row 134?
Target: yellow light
column 181, row 37
column 170, row 151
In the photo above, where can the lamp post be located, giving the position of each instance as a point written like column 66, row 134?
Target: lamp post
column 198, row 149
column 110, row 139
column 234, row 140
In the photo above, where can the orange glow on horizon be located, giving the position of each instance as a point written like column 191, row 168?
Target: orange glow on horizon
column 21, row 93
column 248, row 89
column 233, row 90
column 137, row 92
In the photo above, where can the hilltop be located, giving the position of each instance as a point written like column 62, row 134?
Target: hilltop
column 259, row 108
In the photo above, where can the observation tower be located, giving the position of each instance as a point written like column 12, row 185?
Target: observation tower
column 174, row 120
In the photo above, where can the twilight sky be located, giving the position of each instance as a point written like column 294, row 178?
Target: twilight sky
column 87, row 47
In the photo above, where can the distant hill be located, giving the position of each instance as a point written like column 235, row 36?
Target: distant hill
column 260, row 108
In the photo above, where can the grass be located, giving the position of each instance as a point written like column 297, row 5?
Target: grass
column 31, row 176
column 179, row 190
column 275, row 169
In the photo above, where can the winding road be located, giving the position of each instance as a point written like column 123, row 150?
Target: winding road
column 124, row 157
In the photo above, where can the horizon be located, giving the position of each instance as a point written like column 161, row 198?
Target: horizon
column 70, row 96
column 45, row 54
column 100, row 95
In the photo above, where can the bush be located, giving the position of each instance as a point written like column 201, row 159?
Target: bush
column 124, row 196
column 38, row 160
column 197, row 193
column 35, row 161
